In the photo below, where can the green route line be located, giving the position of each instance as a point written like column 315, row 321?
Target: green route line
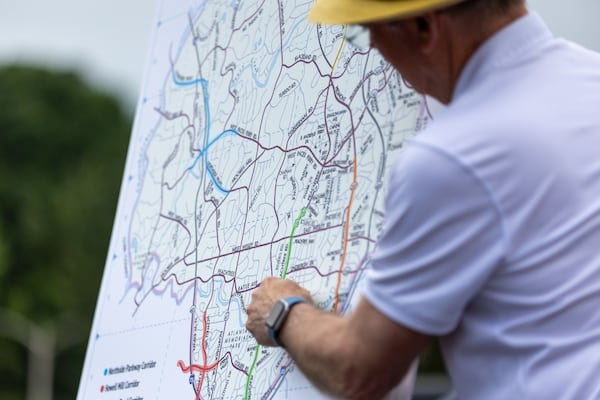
column 287, row 257
column 283, row 276
column 247, row 393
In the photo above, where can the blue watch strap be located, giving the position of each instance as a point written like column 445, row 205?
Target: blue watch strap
column 273, row 335
column 289, row 303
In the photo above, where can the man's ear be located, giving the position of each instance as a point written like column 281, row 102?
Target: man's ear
column 427, row 31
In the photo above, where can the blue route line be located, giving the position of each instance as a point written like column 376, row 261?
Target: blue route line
column 204, row 152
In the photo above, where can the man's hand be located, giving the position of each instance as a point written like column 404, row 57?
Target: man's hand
column 270, row 290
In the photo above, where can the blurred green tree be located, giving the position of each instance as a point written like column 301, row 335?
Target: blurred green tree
column 62, row 152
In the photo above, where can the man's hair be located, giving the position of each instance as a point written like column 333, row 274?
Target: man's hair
column 484, row 7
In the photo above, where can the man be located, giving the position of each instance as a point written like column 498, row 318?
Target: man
column 492, row 216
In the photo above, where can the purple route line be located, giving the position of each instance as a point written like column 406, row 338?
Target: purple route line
column 230, row 356
column 284, row 238
column 279, row 375
column 173, row 276
column 226, row 280
column 178, row 300
column 179, row 223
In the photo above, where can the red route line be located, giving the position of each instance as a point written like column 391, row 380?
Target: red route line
column 199, row 368
column 346, row 235
column 203, row 354
column 196, row 367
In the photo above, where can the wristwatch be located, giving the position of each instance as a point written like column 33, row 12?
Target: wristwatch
column 279, row 313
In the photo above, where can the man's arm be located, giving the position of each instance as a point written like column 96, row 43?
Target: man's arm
column 361, row 356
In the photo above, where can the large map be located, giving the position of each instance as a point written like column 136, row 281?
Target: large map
column 260, row 148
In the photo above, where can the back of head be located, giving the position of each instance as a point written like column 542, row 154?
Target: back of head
column 481, row 18
column 484, row 9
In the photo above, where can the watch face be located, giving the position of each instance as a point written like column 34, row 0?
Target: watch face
column 273, row 320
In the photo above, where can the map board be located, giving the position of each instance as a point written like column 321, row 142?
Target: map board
column 260, row 147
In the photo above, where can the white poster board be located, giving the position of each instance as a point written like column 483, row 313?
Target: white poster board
column 260, row 147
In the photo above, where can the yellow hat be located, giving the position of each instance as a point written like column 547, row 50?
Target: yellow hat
column 361, row 11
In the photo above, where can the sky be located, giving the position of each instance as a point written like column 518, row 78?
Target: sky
column 107, row 41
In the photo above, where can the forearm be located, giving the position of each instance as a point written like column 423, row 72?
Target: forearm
column 360, row 356
column 315, row 340
column 330, row 352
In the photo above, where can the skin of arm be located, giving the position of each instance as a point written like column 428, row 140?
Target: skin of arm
column 359, row 356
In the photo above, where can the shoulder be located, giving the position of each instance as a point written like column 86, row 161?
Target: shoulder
column 441, row 225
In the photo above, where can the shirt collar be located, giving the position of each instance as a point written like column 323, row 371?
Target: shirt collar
column 507, row 47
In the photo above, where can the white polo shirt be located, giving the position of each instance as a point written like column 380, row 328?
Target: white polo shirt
column 493, row 223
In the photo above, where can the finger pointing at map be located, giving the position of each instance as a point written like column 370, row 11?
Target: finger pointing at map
column 271, row 303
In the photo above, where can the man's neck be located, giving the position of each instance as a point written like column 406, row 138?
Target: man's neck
column 460, row 45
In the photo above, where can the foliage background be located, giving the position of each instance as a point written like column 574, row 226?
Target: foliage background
column 62, row 153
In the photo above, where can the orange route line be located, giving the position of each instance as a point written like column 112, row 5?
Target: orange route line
column 346, row 234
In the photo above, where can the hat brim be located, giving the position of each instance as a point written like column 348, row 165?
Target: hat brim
column 363, row 11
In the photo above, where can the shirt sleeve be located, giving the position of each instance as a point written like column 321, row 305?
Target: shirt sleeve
column 442, row 240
